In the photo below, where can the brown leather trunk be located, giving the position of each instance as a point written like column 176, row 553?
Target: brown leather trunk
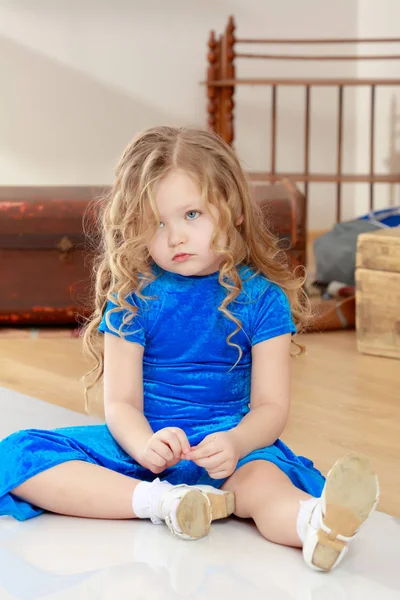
column 45, row 263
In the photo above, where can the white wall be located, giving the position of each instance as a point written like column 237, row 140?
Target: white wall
column 379, row 20
column 81, row 77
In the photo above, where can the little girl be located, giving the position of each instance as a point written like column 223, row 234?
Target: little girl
column 197, row 312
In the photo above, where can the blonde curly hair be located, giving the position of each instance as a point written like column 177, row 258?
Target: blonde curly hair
column 128, row 215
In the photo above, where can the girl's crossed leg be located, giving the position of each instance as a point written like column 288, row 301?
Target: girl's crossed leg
column 82, row 489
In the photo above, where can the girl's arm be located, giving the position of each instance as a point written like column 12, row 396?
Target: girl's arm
column 123, row 394
column 270, row 396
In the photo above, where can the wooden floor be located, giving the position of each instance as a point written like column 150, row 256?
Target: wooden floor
column 342, row 401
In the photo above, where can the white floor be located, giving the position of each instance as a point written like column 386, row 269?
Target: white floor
column 60, row 558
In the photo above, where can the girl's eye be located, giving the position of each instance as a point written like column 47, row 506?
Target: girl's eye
column 192, row 214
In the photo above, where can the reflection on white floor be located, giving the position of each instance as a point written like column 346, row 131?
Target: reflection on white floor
column 61, row 558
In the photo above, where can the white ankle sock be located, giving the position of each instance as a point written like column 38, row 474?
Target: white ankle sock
column 146, row 501
column 303, row 517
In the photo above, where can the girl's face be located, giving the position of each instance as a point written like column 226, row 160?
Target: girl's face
column 182, row 242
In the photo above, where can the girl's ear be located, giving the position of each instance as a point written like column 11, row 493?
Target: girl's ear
column 239, row 221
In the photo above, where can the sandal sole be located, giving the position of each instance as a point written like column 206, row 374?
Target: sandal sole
column 351, row 491
column 195, row 514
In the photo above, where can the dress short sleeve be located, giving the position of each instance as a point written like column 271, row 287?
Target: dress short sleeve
column 272, row 316
column 134, row 331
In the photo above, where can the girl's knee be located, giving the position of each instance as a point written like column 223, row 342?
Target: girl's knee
column 254, row 484
column 259, row 471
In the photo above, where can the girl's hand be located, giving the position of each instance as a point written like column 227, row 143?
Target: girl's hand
column 217, row 453
column 165, row 449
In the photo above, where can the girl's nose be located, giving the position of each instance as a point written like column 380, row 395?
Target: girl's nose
column 176, row 237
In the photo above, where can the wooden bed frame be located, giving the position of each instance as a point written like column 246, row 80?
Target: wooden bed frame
column 221, row 85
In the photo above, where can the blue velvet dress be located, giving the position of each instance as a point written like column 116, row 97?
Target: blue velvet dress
column 188, row 383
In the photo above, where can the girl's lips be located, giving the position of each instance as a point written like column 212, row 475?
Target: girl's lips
column 181, row 257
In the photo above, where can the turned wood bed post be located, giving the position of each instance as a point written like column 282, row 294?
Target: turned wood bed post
column 213, row 92
column 227, row 72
